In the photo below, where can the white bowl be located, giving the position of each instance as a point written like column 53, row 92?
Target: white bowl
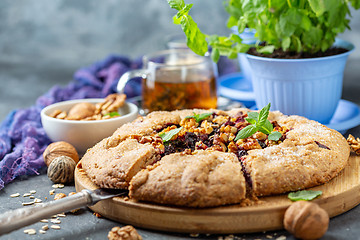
column 84, row 134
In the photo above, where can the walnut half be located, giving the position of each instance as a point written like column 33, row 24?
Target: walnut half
column 125, row 233
column 354, row 144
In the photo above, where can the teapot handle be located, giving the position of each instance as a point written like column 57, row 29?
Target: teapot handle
column 128, row 76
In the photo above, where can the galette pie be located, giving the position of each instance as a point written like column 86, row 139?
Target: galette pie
column 193, row 158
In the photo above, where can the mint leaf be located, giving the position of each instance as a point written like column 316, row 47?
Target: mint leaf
column 266, row 128
column 306, row 22
column 170, row 134
column 246, row 132
column 112, row 114
column 274, row 136
column 203, row 116
column 297, row 45
column 263, row 115
column 313, row 36
column 355, row 3
column 251, row 120
column 306, row 195
column 215, row 55
column 253, row 115
column 318, row 6
column 286, row 43
column 199, row 117
column 176, row 4
column 266, row 50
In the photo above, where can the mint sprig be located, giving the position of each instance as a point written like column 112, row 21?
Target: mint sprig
column 259, row 123
column 306, row 195
column 199, row 117
column 195, row 39
column 170, row 134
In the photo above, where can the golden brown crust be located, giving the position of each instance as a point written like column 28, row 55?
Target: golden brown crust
column 142, row 126
column 299, row 162
column 201, row 179
column 114, row 167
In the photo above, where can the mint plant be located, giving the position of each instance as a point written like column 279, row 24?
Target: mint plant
column 291, row 25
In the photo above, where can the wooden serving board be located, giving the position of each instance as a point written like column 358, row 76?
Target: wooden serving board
column 339, row 195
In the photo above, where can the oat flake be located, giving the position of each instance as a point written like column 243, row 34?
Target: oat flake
column 59, row 185
column 30, row 231
column 27, row 203
column 57, row 227
column 56, row 221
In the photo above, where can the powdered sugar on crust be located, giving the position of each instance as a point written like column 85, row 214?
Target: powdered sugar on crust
column 299, row 162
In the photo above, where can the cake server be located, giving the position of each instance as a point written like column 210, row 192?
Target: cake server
column 15, row 219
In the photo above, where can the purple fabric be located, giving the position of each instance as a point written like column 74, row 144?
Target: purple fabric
column 22, row 138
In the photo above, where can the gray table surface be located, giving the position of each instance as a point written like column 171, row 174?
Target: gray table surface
column 21, row 85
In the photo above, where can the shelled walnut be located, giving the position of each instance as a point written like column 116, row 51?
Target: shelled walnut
column 306, row 220
column 111, row 103
column 354, row 144
column 125, row 233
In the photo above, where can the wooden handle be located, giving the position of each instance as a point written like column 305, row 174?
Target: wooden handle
column 15, row 219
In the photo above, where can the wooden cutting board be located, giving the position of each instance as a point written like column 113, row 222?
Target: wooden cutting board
column 339, row 195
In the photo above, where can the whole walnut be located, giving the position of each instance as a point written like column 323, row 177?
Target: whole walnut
column 306, row 220
column 61, row 170
column 81, row 111
column 57, row 149
column 125, row 233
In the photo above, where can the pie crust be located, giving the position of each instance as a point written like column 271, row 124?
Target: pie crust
column 202, row 166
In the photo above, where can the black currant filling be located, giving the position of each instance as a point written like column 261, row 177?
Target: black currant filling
column 322, row 145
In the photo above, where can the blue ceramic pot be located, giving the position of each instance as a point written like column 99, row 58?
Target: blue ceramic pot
column 247, row 37
column 309, row 87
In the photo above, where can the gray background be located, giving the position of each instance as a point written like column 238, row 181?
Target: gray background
column 44, row 42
